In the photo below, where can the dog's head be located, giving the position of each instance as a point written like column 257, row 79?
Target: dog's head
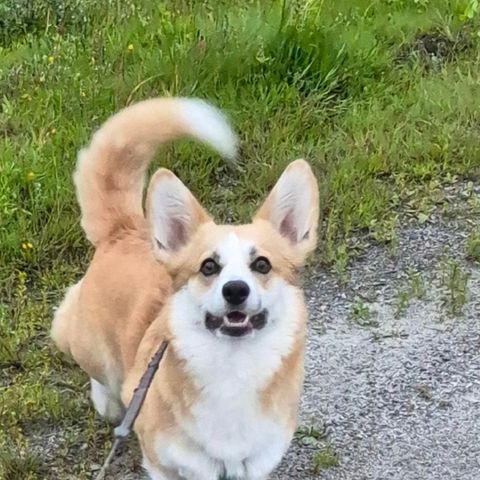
column 234, row 281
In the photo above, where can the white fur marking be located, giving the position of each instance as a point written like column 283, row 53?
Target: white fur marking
column 235, row 258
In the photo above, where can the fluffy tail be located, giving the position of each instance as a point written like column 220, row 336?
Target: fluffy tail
column 110, row 171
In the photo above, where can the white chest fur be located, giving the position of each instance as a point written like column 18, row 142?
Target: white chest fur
column 228, row 419
column 228, row 433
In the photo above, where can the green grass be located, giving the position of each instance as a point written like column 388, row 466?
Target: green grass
column 341, row 83
column 324, row 459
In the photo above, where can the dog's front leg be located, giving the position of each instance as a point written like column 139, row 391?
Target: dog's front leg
column 159, row 473
column 181, row 456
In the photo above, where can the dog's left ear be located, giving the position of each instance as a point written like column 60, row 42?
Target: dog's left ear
column 173, row 213
column 292, row 207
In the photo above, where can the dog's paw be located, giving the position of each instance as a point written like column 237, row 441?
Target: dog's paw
column 105, row 403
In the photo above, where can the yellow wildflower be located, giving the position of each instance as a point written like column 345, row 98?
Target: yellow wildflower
column 130, row 47
column 50, row 59
column 30, row 176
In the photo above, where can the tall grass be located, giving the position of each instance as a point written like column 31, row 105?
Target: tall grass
column 314, row 79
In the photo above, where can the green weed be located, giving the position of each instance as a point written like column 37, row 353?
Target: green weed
column 24, row 466
column 324, row 459
column 401, row 303
column 454, row 281
column 360, row 313
column 473, row 247
column 339, row 258
column 313, row 432
column 417, row 285
column 415, row 289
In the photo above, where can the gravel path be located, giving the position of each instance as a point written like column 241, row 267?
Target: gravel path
column 395, row 393
column 399, row 399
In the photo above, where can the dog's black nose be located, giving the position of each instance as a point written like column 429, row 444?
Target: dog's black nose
column 235, row 292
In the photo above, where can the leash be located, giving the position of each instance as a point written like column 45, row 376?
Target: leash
column 122, row 431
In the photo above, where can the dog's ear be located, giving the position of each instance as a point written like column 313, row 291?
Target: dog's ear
column 173, row 213
column 292, row 207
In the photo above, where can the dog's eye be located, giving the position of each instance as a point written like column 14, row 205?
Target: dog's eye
column 261, row 265
column 209, row 267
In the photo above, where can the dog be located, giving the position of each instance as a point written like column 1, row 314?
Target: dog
column 224, row 401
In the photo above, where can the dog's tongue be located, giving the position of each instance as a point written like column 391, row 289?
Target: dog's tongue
column 236, row 317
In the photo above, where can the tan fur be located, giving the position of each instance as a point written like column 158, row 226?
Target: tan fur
column 171, row 395
column 114, row 319
column 280, row 397
column 109, row 176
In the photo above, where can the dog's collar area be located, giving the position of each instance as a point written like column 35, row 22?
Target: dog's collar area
column 123, row 430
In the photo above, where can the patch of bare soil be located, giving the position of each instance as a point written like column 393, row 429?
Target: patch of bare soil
column 434, row 48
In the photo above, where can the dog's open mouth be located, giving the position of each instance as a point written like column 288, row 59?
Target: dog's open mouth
column 236, row 323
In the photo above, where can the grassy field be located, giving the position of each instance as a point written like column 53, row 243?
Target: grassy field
column 380, row 95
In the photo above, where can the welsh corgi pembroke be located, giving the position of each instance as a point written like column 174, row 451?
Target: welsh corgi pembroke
column 224, row 400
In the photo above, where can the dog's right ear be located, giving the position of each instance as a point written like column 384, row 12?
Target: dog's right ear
column 173, row 213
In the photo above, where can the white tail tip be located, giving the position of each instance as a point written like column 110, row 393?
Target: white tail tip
column 207, row 124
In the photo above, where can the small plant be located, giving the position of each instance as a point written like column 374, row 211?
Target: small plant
column 313, row 432
column 384, row 230
column 454, row 280
column 414, row 289
column 339, row 258
column 20, row 467
column 324, row 459
column 417, row 287
column 401, row 303
column 360, row 313
column 424, row 391
column 472, row 249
